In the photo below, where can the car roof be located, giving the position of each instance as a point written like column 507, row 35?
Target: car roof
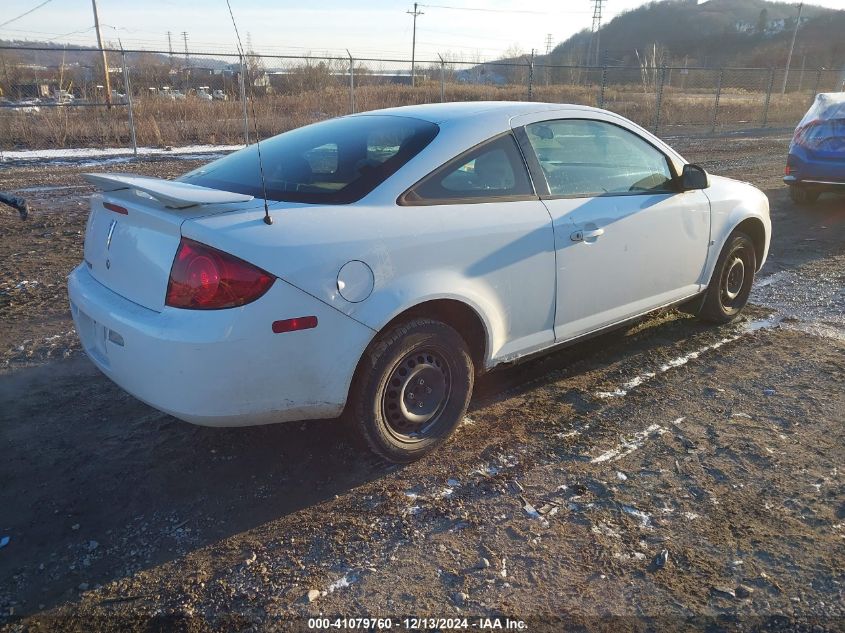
column 489, row 111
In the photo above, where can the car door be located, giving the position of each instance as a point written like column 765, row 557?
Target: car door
column 626, row 239
column 480, row 217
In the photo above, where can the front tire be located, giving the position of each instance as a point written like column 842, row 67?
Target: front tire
column 731, row 282
column 412, row 389
column 803, row 196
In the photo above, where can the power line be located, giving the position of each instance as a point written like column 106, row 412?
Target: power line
column 90, row 28
column 25, row 13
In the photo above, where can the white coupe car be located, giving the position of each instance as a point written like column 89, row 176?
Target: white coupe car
column 402, row 252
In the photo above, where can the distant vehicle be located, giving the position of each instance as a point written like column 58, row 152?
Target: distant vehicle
column 64, row 97
column 203, row 94
column 410, row 249
column 219, row 95
column 816, row 160
column 173, row 95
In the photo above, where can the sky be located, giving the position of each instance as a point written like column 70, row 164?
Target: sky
column 464, row 30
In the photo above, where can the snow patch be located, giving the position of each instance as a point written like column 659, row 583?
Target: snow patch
column 46, row 188
column 771, row 279
column 643, row 517
column 93, row 152
column 340, row 583
column 626, row 447
column 636, row 381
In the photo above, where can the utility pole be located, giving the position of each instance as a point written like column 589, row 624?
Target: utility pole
column 187, row 63
column 170, row 58
column 548, row 43
column 531, row 76
column 187, row 55
column 107, row 83
column 414, row 13
column 791, row 48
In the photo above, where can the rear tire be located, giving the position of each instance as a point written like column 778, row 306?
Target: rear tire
column 803, row 196
column 412, row 389
column 731, row 282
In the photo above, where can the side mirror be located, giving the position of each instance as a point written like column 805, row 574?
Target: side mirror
column 694, row 177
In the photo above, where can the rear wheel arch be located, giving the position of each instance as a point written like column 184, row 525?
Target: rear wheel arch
column 461, row 317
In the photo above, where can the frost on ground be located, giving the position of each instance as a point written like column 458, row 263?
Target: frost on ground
column 810, row 298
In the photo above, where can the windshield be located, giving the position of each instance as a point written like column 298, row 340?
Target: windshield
column 331, row 162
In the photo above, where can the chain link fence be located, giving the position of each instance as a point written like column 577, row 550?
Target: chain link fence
column 155, row 98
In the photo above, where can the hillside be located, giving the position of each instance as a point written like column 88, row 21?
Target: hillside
column 72, row 55
column 714, row 33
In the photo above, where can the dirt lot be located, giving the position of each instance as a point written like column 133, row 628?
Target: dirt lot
column 666, row 477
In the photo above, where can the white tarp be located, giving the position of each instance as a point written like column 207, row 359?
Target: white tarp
column 823, row 127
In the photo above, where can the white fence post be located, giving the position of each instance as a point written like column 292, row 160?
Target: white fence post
column 351, row 81
column 243, row 98
column 128, row 88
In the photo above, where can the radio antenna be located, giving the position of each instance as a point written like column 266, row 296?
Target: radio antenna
column 267, row 218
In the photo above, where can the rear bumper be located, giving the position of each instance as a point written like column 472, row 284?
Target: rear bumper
column 813, row 171
column 221, row 367
column 816, row 183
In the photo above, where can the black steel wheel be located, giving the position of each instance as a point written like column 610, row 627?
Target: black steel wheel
column 731, row 282
column 412, row 389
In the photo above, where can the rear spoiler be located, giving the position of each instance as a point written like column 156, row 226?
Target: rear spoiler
column 173, row 194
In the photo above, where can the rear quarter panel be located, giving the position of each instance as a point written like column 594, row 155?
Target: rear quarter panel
column 504, row 271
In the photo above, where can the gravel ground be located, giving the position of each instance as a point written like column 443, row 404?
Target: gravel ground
column 668, row 476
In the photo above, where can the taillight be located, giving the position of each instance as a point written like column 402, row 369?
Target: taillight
column 203, row 278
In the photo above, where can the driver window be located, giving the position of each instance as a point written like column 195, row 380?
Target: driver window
column 585, row 158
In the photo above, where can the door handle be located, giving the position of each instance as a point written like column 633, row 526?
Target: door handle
column 580, row 236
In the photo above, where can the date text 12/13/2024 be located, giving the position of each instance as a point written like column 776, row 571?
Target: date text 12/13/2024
column 418, row 624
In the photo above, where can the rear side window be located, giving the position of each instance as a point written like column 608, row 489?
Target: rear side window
column 493, row 170
column 332, row 162
column 583, row 158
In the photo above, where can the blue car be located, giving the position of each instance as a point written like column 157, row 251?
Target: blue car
column 816, row 160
